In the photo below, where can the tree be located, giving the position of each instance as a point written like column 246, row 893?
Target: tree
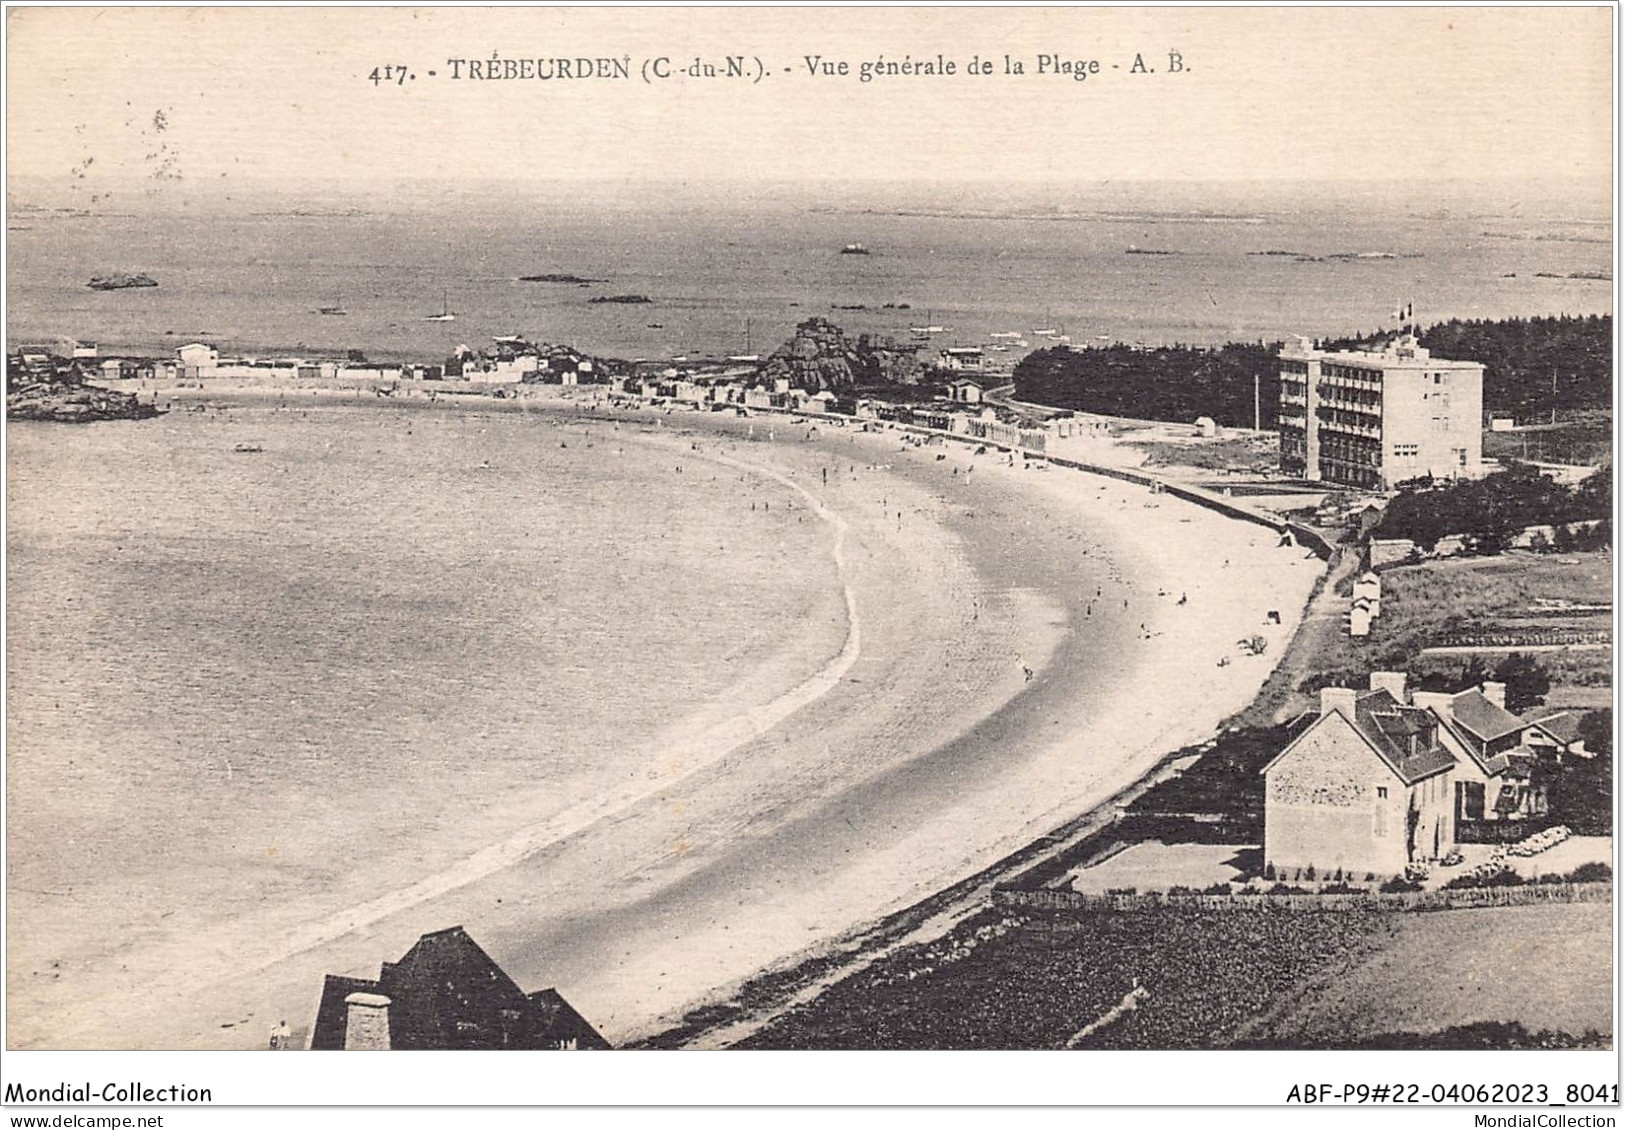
column 1526, row 681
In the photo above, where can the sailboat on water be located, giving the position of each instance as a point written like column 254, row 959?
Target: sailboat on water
column 445, row 314
column 336, row 310
column 746, row 356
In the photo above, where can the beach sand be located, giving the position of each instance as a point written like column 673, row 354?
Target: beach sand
column 1013, row 650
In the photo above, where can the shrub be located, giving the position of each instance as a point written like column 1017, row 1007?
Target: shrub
column 1505, row 877
column 1591, row 873
column 1399, row 884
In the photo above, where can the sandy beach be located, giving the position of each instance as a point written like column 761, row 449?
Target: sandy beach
column 998, row 650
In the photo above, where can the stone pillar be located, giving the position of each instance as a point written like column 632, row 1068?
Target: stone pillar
column 366, row 1026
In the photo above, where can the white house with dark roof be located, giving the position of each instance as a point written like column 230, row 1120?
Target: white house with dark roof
column 1365, row 789
column 1383, row 776
column 1555, row 732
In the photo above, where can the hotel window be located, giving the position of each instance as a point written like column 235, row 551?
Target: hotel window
column 1382, row 792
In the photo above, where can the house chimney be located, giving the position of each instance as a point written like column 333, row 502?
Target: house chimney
column 1391, row 681
column 1338, row 698
column 366, row 1023
column 1439, row 702
column 1495, row 692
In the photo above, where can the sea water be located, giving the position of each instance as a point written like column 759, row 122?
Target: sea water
column 729, row 273
column 297, row 674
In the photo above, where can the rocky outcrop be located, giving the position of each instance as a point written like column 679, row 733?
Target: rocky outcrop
column 820, row 357
column 121, row 282
column 64, row 398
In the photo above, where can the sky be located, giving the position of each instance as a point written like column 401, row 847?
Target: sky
column 199, row 99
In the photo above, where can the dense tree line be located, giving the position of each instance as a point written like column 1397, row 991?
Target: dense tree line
column 1521, row 356
column 1489, row 511
column 1166, row 383
column 1527, row 682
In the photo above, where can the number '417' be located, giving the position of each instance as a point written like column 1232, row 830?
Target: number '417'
column 393, row 72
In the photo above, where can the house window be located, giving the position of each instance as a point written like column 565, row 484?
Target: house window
column 1382, row 792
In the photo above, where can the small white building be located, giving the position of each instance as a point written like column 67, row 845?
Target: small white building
column 197, row 361
column 969, row 359
column 1360, row 620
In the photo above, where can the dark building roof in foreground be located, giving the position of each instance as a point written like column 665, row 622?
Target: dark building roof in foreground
column 1560, row 723
column 447, row 993
column 1406, row 737
column 1482, row 717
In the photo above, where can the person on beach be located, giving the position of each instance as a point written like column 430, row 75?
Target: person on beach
column 280, row 1037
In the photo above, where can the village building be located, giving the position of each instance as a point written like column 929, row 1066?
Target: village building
column 1385, row 777
column 1364, row 790
column 1554, row 732
column 197, row 361
column 1493, row 778
column 445, row 994
column 964, row 391
column 1374, row 418
column 968, row 359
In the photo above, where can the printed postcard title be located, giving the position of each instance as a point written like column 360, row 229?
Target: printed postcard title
column 660, row 70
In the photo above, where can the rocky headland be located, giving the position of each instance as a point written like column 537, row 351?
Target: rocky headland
column 65, row 398
column 820, row 357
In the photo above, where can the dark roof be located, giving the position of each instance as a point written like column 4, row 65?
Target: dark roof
column 1564, row 725
column 1406, row 737
column 1472, row 746
column 447, row 993
column 1389, row 727
column 1482, row 717
column 331, row 1013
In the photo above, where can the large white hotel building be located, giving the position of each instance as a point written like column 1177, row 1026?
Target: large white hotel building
column 1373, row 419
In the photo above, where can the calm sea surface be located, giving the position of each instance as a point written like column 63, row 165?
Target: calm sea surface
column 716, row 269
column 241, row 678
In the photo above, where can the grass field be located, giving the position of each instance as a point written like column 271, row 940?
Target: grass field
column 1423, row 605
column 1035, row 981
column 1251, row 454
column 1548, row 968
column 1219, row 978
column 1584, row 438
